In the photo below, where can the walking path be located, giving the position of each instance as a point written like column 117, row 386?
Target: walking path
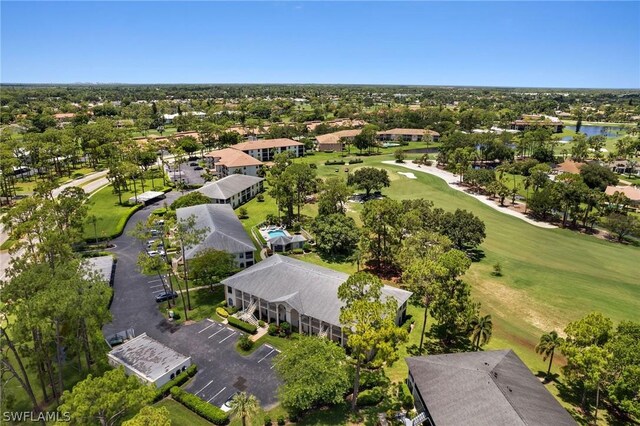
column 452, row 181
column 90, row 183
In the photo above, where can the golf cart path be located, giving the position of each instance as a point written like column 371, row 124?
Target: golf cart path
column 452, row 181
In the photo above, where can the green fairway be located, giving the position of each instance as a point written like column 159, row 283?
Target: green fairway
column 550, row 276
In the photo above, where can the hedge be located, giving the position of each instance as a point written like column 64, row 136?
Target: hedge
column 202, row 408
column 244, row 326
column 222, row 312
column 405, row 396
column 179, row 380
column 370, row 397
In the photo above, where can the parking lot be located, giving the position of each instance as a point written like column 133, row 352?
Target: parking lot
column 186, row 172
column 222, row 371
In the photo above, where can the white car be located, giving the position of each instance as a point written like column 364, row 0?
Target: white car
column 226, row 407
column 154, row 253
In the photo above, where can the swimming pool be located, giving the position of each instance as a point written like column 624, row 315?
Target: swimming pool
column 277, row 233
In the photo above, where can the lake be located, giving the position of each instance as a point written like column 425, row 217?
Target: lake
column 608, row 131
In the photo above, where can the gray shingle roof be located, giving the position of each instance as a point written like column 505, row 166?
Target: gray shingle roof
column 225, row 229
column 310, row 289
column 284, row 240
column 484, row 388
column 147, row 356
column 229, row 186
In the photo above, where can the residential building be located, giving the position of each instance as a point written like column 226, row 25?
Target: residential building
column 334, row 141
column 528, row 121
column 407, row 135
column 168, row 118
column 230, row 161
column 266, row 149
column 149, row 360
column 481, row 388
column 568, row 166
column 283, row 289
column 631, row 192
column 224, row 232
column 234, row 189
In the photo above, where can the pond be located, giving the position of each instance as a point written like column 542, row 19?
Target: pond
column 608, row 131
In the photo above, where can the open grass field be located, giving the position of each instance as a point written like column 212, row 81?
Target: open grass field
column 550, row 276
column 103, row 204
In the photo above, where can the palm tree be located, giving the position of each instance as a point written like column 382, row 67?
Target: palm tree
column 245, row 406
column 481, row 328
column 547, row 346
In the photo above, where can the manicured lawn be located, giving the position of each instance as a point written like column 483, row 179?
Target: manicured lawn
column 181, row 415
column 203, row 303
column 103, row 204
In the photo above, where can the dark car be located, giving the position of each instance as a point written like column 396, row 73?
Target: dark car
column 197, row 168
column 193, row 164
column 167, row 295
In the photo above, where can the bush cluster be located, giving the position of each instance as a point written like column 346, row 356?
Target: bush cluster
column 245, row 343
column 202, row 408
column 222, row 312
column 244, row 326
column 282, row 330
column 342, row 162
column 406, row 399
column 370, row 397
column 179, row 380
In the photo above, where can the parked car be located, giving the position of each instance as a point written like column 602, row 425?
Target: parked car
column 167, row 295
column 154, row 253
column 197, row 168
column 226, row 407
column 193, row 164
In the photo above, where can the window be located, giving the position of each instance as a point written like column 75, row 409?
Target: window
column 229, row 290
column 241, row 255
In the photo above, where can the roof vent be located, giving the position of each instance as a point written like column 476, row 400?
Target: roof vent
column 495, row 374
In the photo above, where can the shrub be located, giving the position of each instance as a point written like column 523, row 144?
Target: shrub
column 273, row 329
column 285, row 329
column 231, row 309
column 260, row 198
column 497, row 269
column 405, row 396
column 179, row 380
column 222, row 312
column 281, row 420
column 370, row 397
column 242, row 213
column 297, row 251
column 245, row 343
column 261, row 323
column 334, row 162
column 202, row 408
column 267, row 421
column 244, row 326
column 373, row 379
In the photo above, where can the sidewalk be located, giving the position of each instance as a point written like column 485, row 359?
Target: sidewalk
column 452, row 181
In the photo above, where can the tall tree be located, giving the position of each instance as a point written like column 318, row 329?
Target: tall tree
column 547, row 346
column 188, row 235
column 334, row 193
column 105, row 399
column 369, row 179
column 481, row 330
column 245, row 406
column 313, row 372
column 369, row 322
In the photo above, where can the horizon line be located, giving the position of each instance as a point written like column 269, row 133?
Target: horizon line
column 469, row 86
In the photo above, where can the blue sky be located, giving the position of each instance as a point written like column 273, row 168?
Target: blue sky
column 559, row 44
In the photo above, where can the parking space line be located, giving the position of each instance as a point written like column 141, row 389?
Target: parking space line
column 263, row 358
column 157, row 291
column 222, row 329
column 204, row 387
column 210, row 320
column 154, row 286
column 209, row 326
column 231, row 329
column 227, row 337
column 154, row 281
column 221, row 390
